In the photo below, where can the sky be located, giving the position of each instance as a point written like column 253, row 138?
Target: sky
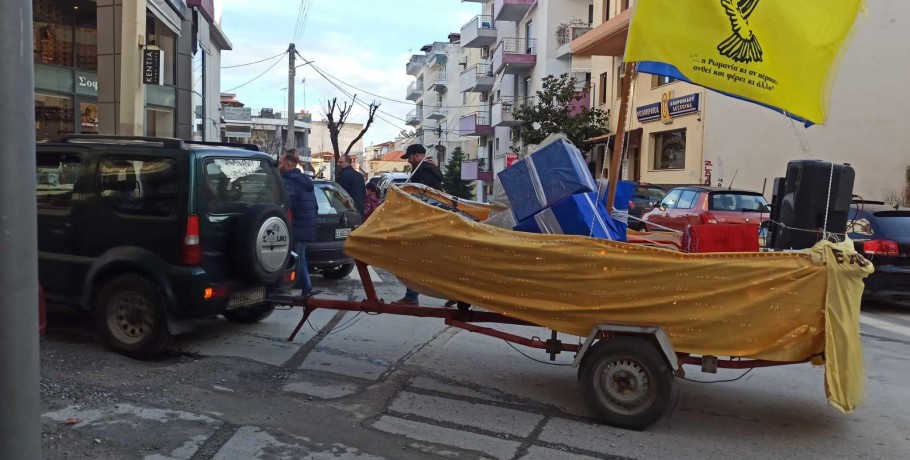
column 364, row 43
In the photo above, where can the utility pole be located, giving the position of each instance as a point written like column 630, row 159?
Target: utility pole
column 20, row 416
column 292, row 52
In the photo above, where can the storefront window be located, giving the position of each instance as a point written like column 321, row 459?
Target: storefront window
column 53, row 116
column 670, row 149
column 86, row 30
column 159, row 122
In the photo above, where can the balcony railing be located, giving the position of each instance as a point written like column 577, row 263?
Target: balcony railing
column 415, row 64
column 415, row 90
column 477, row 79
column 565, row 33
column 475, row 124
column 478, row 32
column 437, row 54
column 515, row 53
column 435, row 112
column 505, row 107
column 414, row 117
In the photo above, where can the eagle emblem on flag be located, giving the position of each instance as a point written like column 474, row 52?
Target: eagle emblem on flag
column 743, row 45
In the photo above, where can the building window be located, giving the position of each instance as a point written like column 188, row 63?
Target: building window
column 624, row 5
column 603, row 88
column 669, row 149
column 606, row 10
column 591, row 14
column 53, row 116
column 661, row 80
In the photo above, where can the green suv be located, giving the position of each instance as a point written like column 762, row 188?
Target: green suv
column 149, row 233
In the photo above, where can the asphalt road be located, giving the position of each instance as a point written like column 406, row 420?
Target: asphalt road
column 364, row 386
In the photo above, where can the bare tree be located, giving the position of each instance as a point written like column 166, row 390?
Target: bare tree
column 335, row 124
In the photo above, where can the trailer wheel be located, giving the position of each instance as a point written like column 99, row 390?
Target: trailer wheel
column 627, row 382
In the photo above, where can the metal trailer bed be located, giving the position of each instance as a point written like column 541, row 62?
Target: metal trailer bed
column 627, row 371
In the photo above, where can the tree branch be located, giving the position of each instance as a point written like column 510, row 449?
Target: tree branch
column 371, row 114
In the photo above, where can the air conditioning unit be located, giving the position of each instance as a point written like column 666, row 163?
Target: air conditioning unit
column 485, row 52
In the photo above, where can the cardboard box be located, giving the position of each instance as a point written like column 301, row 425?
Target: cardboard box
column 553, row 173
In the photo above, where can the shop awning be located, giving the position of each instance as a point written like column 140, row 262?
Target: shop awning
column 607, row 39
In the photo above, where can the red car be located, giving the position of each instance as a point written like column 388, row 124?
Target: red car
column 697, row 205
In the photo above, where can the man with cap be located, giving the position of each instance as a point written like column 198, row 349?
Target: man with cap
column 426, row 173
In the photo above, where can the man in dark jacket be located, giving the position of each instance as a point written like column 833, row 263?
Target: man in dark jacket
column 302, row 201
column 352, row 182
column 426, row 173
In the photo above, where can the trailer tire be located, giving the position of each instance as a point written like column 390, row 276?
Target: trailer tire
column 627, row 382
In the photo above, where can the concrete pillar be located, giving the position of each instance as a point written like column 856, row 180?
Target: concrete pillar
column 185, row 75
column 121, row 94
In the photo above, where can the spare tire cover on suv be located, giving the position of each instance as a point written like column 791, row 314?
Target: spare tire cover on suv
column 262, row 245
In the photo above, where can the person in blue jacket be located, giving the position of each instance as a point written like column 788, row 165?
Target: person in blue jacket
column 302, row 202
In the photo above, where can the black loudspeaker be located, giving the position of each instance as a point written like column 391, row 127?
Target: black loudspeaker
column 777, row 198
column 805, row 198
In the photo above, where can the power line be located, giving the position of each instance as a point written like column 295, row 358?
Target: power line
column 256, row 77
column 254, row 62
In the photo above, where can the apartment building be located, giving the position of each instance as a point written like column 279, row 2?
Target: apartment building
column 438, row 98
column 682, row 134
column 91, row 77
column 520, row 42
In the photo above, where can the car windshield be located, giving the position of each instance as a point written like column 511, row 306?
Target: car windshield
column 737, row 201
column 893, row 224
column 331, row 199
column 234, row 184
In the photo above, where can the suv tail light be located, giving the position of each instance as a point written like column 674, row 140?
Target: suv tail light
column 707, row 218
column 192, row 246
column 290, row 215
column 881, row 248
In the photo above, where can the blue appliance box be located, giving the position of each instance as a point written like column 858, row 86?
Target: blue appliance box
column 545, row 177
column 580, row 214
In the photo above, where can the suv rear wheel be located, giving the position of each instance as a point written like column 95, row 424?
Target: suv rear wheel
column 130, row 314
column 249, row 315
column 339, row 272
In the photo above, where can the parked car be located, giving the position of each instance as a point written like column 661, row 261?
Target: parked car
column 148, row 232
column 881, row 233
column 338, row 216
column 697, row 205
column 646, row 198
column 391, row 178
column 376, row 180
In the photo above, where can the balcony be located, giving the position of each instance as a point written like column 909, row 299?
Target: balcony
column 514, row 55
column 477, row 79
column 512, row 10
column 475, row 124
column 438, row 81
column 437, row 54
column 607, row 39
column 414, row 118
column 503, row 113
column 477, row 168
column 565, row 33
column 478, row 32
column 436, row 112
column 415, row 64
column 415, row 90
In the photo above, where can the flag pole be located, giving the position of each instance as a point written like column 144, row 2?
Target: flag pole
column 617, row 153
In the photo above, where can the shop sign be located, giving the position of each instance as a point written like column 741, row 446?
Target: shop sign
column 152, row 65
column 668, row 108
column 511, row 158
column 237, row 113
column 86, row 84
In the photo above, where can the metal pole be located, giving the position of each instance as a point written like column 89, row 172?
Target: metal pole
column 20, row 403
column 291, row 142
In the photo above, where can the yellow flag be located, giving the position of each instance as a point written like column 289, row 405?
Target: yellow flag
column 778, row 53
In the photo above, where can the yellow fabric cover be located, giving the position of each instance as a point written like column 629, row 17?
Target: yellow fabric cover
column 752, row 305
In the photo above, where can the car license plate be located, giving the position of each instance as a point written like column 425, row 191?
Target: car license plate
column 342, row 233
column 244, row 298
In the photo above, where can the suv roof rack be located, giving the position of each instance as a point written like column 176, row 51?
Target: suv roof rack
column 167, row 142
column 858, row 201
column 251, row 147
